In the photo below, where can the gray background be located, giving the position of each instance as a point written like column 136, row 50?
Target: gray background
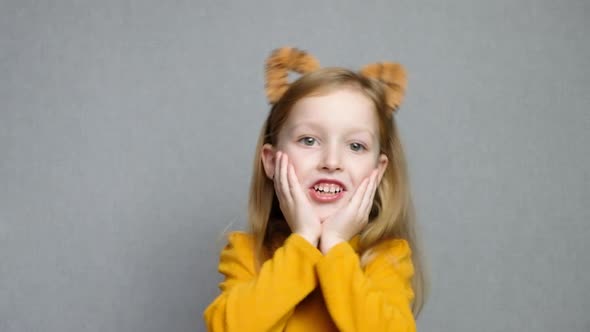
column 127, row 131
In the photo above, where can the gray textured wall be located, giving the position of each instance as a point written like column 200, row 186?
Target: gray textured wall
column 127, row 131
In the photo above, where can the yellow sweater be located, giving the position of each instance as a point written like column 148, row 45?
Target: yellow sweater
column 299, row 289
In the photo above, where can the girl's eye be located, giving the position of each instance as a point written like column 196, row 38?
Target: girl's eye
column 357, row 147
column 309, row 141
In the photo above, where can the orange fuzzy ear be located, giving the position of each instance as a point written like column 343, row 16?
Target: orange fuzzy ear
column 278, row 65
column 393, row 76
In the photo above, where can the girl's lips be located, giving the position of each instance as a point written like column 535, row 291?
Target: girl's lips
column 326, row 197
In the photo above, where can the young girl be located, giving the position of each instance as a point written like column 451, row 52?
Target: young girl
column 332, row 245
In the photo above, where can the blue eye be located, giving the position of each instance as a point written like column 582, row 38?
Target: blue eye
column 357, row 147
column 309, row 141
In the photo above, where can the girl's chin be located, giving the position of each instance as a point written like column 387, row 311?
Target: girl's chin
column 324, row 212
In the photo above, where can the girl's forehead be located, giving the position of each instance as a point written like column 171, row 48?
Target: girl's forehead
column 345, row 108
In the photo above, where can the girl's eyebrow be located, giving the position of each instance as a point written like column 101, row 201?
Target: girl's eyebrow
column 293, row 129
column 312, row 126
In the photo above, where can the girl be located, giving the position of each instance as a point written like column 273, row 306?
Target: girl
column 332, row 245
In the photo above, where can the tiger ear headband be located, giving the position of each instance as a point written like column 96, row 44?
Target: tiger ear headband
column 281, row 61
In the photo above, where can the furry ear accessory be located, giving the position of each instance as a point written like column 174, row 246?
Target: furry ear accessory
column 393, row 76
column 278, row 65
column 282, row 60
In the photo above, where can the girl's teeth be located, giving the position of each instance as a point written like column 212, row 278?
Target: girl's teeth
column 328, row 188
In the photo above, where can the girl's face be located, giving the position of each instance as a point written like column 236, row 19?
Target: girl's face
column 333, row 143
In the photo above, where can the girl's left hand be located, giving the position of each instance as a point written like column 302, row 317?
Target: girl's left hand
column 352, row 218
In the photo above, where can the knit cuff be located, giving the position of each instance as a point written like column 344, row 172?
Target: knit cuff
column 304, row 247
column 341, row 249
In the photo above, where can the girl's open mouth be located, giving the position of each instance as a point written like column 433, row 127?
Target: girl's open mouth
column 326, row 191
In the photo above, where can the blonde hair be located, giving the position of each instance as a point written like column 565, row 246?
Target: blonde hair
column 392, row 214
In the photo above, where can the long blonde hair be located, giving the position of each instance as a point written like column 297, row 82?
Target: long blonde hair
column 392, row 214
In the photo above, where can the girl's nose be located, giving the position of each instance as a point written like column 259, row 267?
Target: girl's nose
column 331, row 159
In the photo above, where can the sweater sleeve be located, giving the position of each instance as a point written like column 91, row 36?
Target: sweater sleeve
column 263, row 301
column 376, row 298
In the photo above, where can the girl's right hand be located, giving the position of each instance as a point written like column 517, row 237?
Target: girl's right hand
column 293, row 201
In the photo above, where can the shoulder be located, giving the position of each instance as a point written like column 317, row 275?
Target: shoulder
column 238, row 241
column 393, row 253
column 240, row 238
column 238, row 253
column 396, row 246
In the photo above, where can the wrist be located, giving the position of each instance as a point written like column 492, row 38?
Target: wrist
column 313, row 240
column 327, row 242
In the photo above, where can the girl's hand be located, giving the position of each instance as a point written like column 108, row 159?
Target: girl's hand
column 294, row 204
column 351, row 219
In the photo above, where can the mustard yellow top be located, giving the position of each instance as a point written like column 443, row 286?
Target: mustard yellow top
column 299, row 289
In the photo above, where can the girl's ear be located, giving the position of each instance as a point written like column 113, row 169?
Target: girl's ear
column 382, row 165
column 268, row 160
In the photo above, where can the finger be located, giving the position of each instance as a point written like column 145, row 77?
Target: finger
column 356, row 199
column 285, row 187
column 277, row 162
column 365, row 195
column 368, row 196
column 376, row 182
column 278, row 183
column 374, row 191
column 275, row 176
column 296, row 190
